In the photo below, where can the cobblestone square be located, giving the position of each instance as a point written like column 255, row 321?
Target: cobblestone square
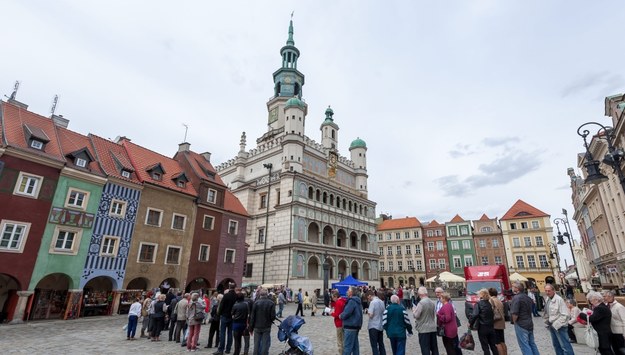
column 104, row 335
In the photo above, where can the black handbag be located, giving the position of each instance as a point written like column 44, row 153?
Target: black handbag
column 440, row 331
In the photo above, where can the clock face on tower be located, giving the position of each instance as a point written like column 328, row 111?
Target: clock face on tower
column 273, row 115
column 287, row 80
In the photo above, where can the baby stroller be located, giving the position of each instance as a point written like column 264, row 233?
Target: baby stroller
column 287, row 332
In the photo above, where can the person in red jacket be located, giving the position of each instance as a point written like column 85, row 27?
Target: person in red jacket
column 338, row 304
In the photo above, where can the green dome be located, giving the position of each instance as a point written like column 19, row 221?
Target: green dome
column 329, row 112
column 358, row 143
column 294, row 101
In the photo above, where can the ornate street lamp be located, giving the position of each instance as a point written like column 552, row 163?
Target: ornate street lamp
column 613, row 158
column 561, row 241
column 268, row 166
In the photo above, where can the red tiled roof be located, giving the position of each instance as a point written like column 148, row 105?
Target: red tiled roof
column 434, row 224
column 232, row 204
column 400, row 223
column 200, row 166
column 484, row 217
column 107, row 153
column 522, row 209
column 457, row 219
column 13, row 120
column 143, row 158
column 71, row 141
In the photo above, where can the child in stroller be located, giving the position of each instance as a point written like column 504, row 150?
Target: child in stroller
column 287, row 332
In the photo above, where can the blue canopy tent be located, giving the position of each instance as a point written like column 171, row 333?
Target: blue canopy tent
column 344, row 284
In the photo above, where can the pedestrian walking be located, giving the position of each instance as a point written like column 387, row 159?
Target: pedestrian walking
column 240, row 313
column 281, row 303
column 446, row 319
column 521, row 311
column 500, row 321
column 195, row 317
column 396, row 323
column 338, row 305
column 483, row 319
column 406, row 297
column 352, row 322
column 617, row 323
column 600, row 319
column 299, row 299
column 261, row 319
column 133, row 316
column 439, row 304
column 532, row 295
column 376, row 322
column 425, row 323
column 181, row 316
column 313, row 301
column 145, row 324
column 224, row 311
column 556, row 316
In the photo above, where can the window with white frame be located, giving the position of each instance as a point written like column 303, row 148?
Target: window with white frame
column 539, row 241
column 178, row 221
column 432, row 264
column 523, row 225
column 28, row 185
column 261, row 235
column 233, row 227
column 406, row 235
column 204, row 252
column 430, row 246
column 14, row 235
column 516, row 243
column 468, row 260
column 80, row 162
column 398, row 235
column 110, row 246
column 381, row 251
column 455, row 245
column 399, row 250
column 147, row 252
column 498, row 260
column 389, row 236
column 495, row 243
column 65, row 240
column 442, row 264
column 542, row 259
column 415, row 234
column 486, row 229
column 438, row 233
column 382, row 266
column 76, row 198
column 209, row 222
column 528, row 241
column 535, row 225
column 389, row 250
column 453, row 231
column 409, row 264
column 379, row 237
column 408, row 250
column 153, row 217
column 430, row 233
column 173, row 255
column 531, row 261
column 464, row 230
column 457, row 261
column 512, row 225
column 118, row 209
column 36, row 144
column 482, row 243
column 390, row 266
column 466, row 244
column 439, row 245
column 400, row 265
column 229, row 256
column 211, row 196
column 520, row 263
column 263, row 200
column 417, row 249
column 126, row 174
column 485, row 260
column 419, row 265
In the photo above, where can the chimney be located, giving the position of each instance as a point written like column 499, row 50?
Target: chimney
column 184, row 147
column 121, row 139
column 60, row 121
column 206, row 156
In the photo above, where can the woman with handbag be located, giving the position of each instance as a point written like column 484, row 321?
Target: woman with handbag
column 195, row 317
column 600, row 320
column 447, row 326
column 483, row 319
column 160, row 309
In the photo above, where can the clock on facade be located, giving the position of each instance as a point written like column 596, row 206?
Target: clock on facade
column 287, row 79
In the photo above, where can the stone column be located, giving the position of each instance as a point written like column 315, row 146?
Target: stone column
column 116, row 299
column 22, row 302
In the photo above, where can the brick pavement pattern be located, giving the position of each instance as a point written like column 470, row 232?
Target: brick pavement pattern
column 104, row 335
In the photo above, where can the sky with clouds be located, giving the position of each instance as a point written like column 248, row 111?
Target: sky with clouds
column 466, row 106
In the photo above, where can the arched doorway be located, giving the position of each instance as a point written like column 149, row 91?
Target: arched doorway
column 313, row 233
column 98, row 296
column 401, row 281
column 342, row 269
column 328, row 234
column 331, row 269
column 50, row 297
column 353, row 240
column 313, row 267
column 198, row 283
column 225, row 284
column 8, row 297
column 341, row 239
column 363, row 242
column 355, row 269
column 391, row 282
column 411, row 281
column 140, row 283
column 366, row 271
column 168, row 283
column 421, row 281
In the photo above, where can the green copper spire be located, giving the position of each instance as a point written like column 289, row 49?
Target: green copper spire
column 290, row 41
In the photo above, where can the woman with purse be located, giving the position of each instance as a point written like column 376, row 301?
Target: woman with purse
column 447, row 326
column 160, row 308
column 483, row 319
column 500, row 321
column 600, row 320
column 195, row 317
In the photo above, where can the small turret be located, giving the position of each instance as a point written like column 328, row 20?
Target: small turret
column 329, row 131
column 358, row 151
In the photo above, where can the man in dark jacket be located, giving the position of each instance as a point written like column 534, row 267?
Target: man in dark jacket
column 263, row 314
column 352, row 321
column 225, row 319
column 240, row 312
column 173, row 317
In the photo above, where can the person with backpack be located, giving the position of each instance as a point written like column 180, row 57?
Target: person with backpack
column 195, row 317
column 483, row 319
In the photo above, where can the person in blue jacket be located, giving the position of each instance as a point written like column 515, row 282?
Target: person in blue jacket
column 352, row 322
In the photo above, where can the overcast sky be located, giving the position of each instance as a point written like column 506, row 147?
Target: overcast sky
column 466, row 106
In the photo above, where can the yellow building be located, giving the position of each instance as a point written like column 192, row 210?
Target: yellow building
column 527, row 233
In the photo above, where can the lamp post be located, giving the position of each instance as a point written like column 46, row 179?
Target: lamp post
column 553, row 254
column 561, row 241
column 326, row 272
column 268, row 166
column 613, row 157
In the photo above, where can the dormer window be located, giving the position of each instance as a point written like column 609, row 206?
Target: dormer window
column 181, row 184
column 181, row 180
column 156, row 171
column 126, row 174
column 80, row 162
column 36, row 144
column 81, row 157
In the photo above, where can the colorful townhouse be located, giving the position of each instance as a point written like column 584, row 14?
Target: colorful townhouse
column 460, row 244
column 218, row 250
column 488, row 242
column 400, row 246
column 435, row 249
column 161, row 243
column 30, row 165
column 65, row 242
